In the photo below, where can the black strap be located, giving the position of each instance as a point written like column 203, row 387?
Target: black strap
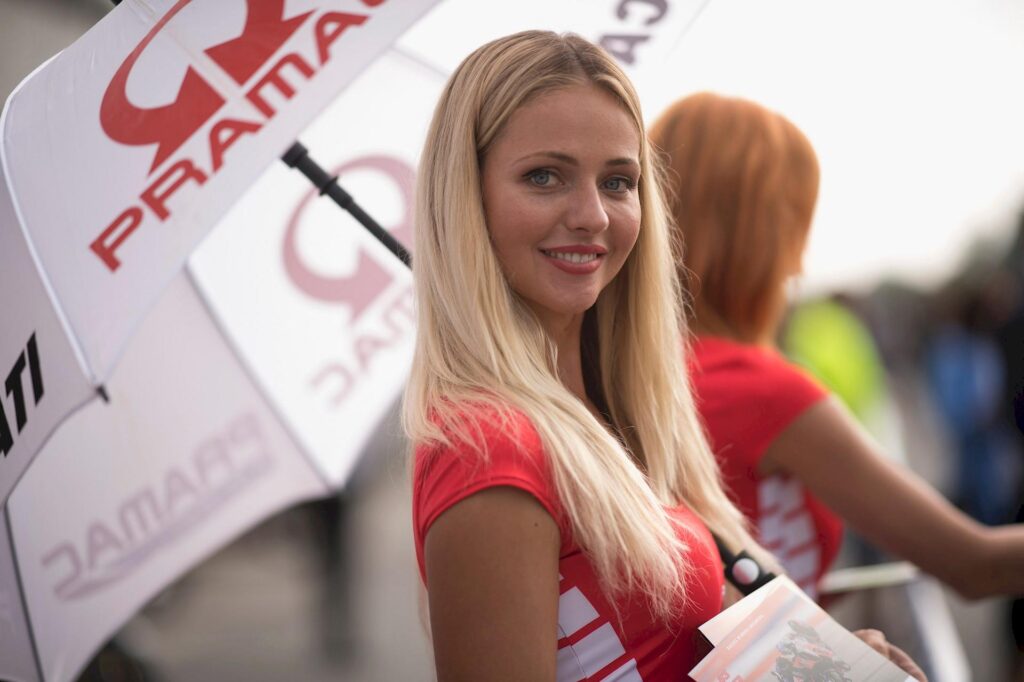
column 742, row 570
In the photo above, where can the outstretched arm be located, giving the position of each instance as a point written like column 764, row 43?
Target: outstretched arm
column 492, row 576
column 893, row 508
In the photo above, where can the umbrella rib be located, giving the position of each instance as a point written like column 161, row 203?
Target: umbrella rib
column 420, row 61
column 58, row 305
column 689, row 25
column 252, row 375
column 21, row 594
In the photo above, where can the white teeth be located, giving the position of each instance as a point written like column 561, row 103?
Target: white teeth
column 572, row 257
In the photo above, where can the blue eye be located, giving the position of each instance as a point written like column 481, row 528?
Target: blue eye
column 540, row 178
column 619, row 184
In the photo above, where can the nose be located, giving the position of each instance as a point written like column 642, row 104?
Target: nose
column 586, row 210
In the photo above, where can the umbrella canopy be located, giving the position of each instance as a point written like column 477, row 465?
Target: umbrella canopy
column 181, row 105
column 259, row 375
column 321, row 312
column 126, row 496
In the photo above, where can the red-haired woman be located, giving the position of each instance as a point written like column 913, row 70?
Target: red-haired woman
column 744, row 182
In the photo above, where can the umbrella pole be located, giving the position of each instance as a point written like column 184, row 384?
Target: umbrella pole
column 297, row 157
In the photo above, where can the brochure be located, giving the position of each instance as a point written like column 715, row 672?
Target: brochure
column 778, row 634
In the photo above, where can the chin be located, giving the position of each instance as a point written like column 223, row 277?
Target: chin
column 560, row 304
column 576, row 306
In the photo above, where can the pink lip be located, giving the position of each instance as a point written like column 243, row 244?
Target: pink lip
column 576, row 268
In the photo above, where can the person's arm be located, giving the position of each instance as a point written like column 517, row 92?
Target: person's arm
column 891, row 507
column 492, row 587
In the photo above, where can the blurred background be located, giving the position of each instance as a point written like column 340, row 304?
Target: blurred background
column 911, row 310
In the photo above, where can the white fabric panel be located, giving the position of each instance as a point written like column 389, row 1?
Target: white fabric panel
column 626, row 673
column 780, row 494
column 598, row 649
column 127, row 496
column 640, row 33
column 17, row 662
column 574, row 612
column 568, row 668
column 802, row 567
column 319, row 310
column 27, row 319
column 798, row 530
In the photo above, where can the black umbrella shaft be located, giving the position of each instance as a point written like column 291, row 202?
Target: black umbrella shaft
column 297, row 156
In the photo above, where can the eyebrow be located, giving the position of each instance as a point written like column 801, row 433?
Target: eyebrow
column 571, row 160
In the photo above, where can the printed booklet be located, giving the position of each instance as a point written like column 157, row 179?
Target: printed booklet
column 778, row 634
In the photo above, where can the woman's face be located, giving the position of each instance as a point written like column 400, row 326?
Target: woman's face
column 561, row 199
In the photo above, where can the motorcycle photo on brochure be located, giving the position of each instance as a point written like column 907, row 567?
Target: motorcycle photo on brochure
column 805, row 657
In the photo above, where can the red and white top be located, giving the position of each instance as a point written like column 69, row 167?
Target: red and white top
column 747, row 396
column 594, row 644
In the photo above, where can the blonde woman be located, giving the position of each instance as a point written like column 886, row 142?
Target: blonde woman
column 563, row 493
column 556, row 451
column 744, row 182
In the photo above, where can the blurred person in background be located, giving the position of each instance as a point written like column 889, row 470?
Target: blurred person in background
column 967, row 375
column 743, row 183
column 828, row 337
column 556, row 451
column 1007, row 287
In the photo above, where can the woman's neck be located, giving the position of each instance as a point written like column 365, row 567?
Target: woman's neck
column 565, row 333
column 709, row 326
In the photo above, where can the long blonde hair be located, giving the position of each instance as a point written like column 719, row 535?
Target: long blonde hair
column 479, row 344
column 743, row 181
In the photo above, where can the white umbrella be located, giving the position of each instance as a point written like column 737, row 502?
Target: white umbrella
column 117, row 505
column 73, row 568
column 124, row 150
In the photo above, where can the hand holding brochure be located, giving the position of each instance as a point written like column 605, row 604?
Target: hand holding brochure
column 778, row 634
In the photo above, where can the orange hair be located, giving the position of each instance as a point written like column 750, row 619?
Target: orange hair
column 742, row 182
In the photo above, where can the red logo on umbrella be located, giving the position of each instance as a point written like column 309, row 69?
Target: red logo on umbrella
column 168, row 127
column 370, row 279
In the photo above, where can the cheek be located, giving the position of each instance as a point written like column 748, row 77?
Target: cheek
column 629, row 228
column 516, row 224
column 510, row 226
column 496, row 217
column 634, row 233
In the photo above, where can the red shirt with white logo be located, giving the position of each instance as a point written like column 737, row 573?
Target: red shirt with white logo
column 747, row 396
column 594, row 644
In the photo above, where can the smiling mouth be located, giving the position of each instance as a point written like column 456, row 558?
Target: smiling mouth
column 572, row 257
